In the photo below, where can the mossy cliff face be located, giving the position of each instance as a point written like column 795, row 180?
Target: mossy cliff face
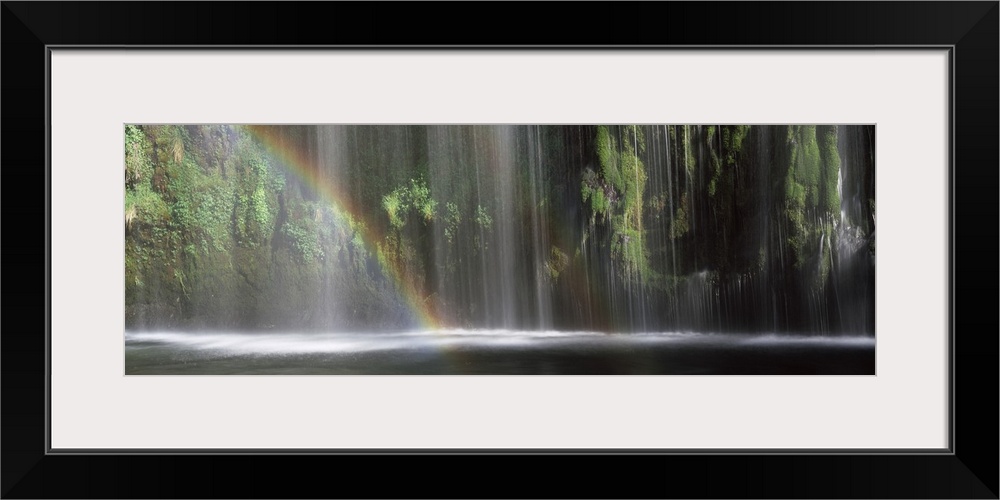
column 217, row 235
column 707, row 227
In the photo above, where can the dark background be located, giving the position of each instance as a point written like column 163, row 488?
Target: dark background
column 971, row 472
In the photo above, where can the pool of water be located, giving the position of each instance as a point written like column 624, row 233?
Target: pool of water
column 494, row 352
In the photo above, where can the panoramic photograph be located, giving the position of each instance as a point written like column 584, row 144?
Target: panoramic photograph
column 598, row 249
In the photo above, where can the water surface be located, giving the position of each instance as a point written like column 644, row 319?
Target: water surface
column 494, row 352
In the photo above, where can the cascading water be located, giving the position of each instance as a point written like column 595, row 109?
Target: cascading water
column 709, row 229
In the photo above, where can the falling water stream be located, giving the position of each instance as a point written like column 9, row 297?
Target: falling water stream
column 508, row 249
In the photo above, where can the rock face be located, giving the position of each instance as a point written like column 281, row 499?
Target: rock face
column 611, row 228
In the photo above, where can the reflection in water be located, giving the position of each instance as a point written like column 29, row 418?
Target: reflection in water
column 493, row 352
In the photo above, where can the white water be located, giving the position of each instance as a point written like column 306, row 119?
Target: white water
column 264, row 344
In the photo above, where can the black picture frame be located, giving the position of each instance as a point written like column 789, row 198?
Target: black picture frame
column 968, row 470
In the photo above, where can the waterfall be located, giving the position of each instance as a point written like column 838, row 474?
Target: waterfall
column 614, row 228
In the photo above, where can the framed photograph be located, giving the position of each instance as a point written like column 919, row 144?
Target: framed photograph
column 379, row 252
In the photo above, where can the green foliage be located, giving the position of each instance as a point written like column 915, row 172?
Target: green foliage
column 716, row 173
column 811, row 191
column 395, row 207
column 732, row 142
column 170, row 143
column 358, row 243
column 635, row 172
column 143, row 205
column 421, row 201
column 416, row 197
column 599, row 203
column 679, row 224
column 689, row 147
column 830, row 197
column 275, row 180
column 485, row 223
column 213, row 214
column 483, row 218
column 797, row 235
column 254, row 198
column 261, row 209
column 179, row 276
column 303, row 236
column 807, row 170
column 616, row 195
column 592, row 191
column 138, row 164
column 406, row 251
column 557, row 262
column 607, row 155
column 202, row 204
column 452, row 220
column 627, row 247
column 621, row 169
column 658, row 205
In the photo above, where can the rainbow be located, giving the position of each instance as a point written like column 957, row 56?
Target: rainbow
column 308, row 171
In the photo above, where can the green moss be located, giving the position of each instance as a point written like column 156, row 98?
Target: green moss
column 413, row 197
column 679, row 223
column 144, row 206
column 420, row 199
column 830, row 197
column 483, row 218
column 732, row 142
column 616, row 194
column 689, row 160
column 138, row 163
column 395, row 208
column 453, row 218
column 303, row 236
column 556, row 263
column 716, row 172
column 607, row 156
